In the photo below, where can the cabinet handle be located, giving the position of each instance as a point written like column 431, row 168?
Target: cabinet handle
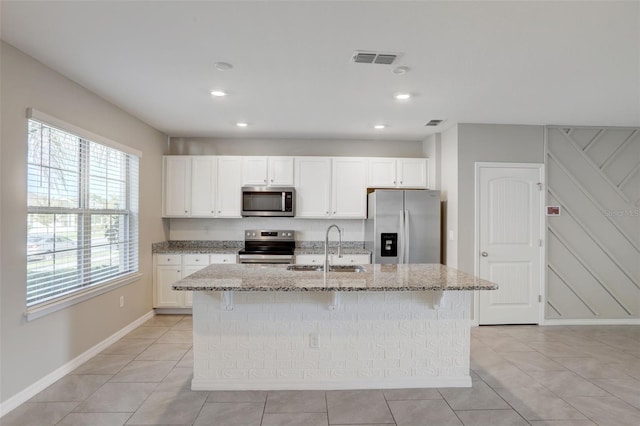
column 401, row 182
column 218, row 211
column 334, row 212
column 271, row 180
column 186, row 211
column 265, row 181
column 394, row 182
column 178, row 270
column 224, row 260
column 197, row 260
column 326, row 212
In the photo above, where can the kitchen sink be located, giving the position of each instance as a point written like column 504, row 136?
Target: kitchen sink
column 346, row 268
column 335, row 268
column 301, row 268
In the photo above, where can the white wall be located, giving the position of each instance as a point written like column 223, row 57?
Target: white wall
column 31, row 350
column 320, row 147
column 432, row 149
column 233, row 229
column 449, row 188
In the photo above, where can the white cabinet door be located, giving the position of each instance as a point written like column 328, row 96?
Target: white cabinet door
column 309, row 259
column 254, row 171
column 177, row 185
column 382, row 173
column 223, row 258
column 412, row 172
column 166, row 276
column 349, row 188
column 203, row 185
column 280, row 171
column 351, row 259
column 229, row 186
column 313, row 186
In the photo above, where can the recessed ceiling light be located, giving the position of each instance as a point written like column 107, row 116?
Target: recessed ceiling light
column 242, row 124
column 223, row 66
column 379, row 126
column 402, row 96
column 218, row 93
column 400, row 70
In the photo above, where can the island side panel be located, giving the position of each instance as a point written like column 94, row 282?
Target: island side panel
column 372, row 340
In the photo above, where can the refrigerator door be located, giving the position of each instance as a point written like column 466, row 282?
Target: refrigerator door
column 387, row 214
column 422, row 225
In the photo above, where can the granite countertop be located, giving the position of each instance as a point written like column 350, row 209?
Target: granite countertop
column 376, row 277
column 197, row 247
column 232, row 247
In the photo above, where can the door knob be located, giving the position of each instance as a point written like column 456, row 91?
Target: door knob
column 484, row 254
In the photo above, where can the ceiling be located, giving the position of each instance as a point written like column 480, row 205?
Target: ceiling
column 512, row 62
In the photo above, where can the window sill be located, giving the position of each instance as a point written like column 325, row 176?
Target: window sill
column 50, row 307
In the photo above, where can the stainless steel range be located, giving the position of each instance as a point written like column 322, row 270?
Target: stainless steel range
column 268, row 247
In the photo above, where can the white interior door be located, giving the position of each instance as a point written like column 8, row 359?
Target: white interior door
column 510, row 245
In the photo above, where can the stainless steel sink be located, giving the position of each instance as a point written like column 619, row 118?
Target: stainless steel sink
column 301, row 268
column 317, row 268
column 346, row 268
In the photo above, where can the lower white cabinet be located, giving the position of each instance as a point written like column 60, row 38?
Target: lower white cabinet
column 346, row 259
column 169, row 268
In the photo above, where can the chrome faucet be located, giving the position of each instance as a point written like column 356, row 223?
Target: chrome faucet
column 326, row 246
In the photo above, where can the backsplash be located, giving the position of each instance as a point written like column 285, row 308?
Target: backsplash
column 233, row 229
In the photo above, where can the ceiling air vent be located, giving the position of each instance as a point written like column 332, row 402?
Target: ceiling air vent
column 361, row 57
column 433, row 122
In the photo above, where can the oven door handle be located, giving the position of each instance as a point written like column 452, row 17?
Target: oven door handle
column 283, row 200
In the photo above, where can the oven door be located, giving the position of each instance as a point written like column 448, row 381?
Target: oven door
column 268, row 201
column 266, row 259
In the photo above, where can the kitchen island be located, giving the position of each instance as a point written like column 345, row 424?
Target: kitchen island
column 263, row 327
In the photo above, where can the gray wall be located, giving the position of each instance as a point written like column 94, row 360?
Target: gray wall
column 593, row 268
column 319, row 147
column 488, row 143
column 31, row 350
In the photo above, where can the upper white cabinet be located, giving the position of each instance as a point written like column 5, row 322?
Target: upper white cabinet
column 271, row 171
column 228, row 197
column 398, row 173
column 334, row 188
column 349, row 188
column 202, row 186
column 204, row 178
column 176, row 186
column 207, row 186
column 313, row 186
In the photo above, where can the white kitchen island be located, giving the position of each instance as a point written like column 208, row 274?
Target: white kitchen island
column 259, row 327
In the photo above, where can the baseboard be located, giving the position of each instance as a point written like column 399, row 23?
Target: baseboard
column 373, row 383
column 29, row 392
column 592, row 321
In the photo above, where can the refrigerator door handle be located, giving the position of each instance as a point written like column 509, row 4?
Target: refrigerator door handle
column 402, row 237
column 406, row 236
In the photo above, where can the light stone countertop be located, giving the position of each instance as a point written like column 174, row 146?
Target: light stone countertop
column 412, row 277
column 232, row 247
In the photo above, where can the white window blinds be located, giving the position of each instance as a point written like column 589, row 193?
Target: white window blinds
column 82, row 213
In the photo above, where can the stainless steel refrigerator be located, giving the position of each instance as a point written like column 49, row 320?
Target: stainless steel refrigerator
column 403, row 226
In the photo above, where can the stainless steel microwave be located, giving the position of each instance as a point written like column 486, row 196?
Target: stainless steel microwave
column 268, row 201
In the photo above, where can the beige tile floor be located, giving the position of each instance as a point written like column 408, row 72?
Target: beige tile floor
column 522, row 375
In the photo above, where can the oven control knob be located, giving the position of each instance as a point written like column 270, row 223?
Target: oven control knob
column 253, row 234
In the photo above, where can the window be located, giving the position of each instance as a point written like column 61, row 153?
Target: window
column 82, row 212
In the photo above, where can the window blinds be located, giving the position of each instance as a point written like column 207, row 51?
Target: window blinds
column 82, row 220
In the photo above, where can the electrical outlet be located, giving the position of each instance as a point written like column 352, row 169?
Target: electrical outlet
column 122, row 301
column 314, row 340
